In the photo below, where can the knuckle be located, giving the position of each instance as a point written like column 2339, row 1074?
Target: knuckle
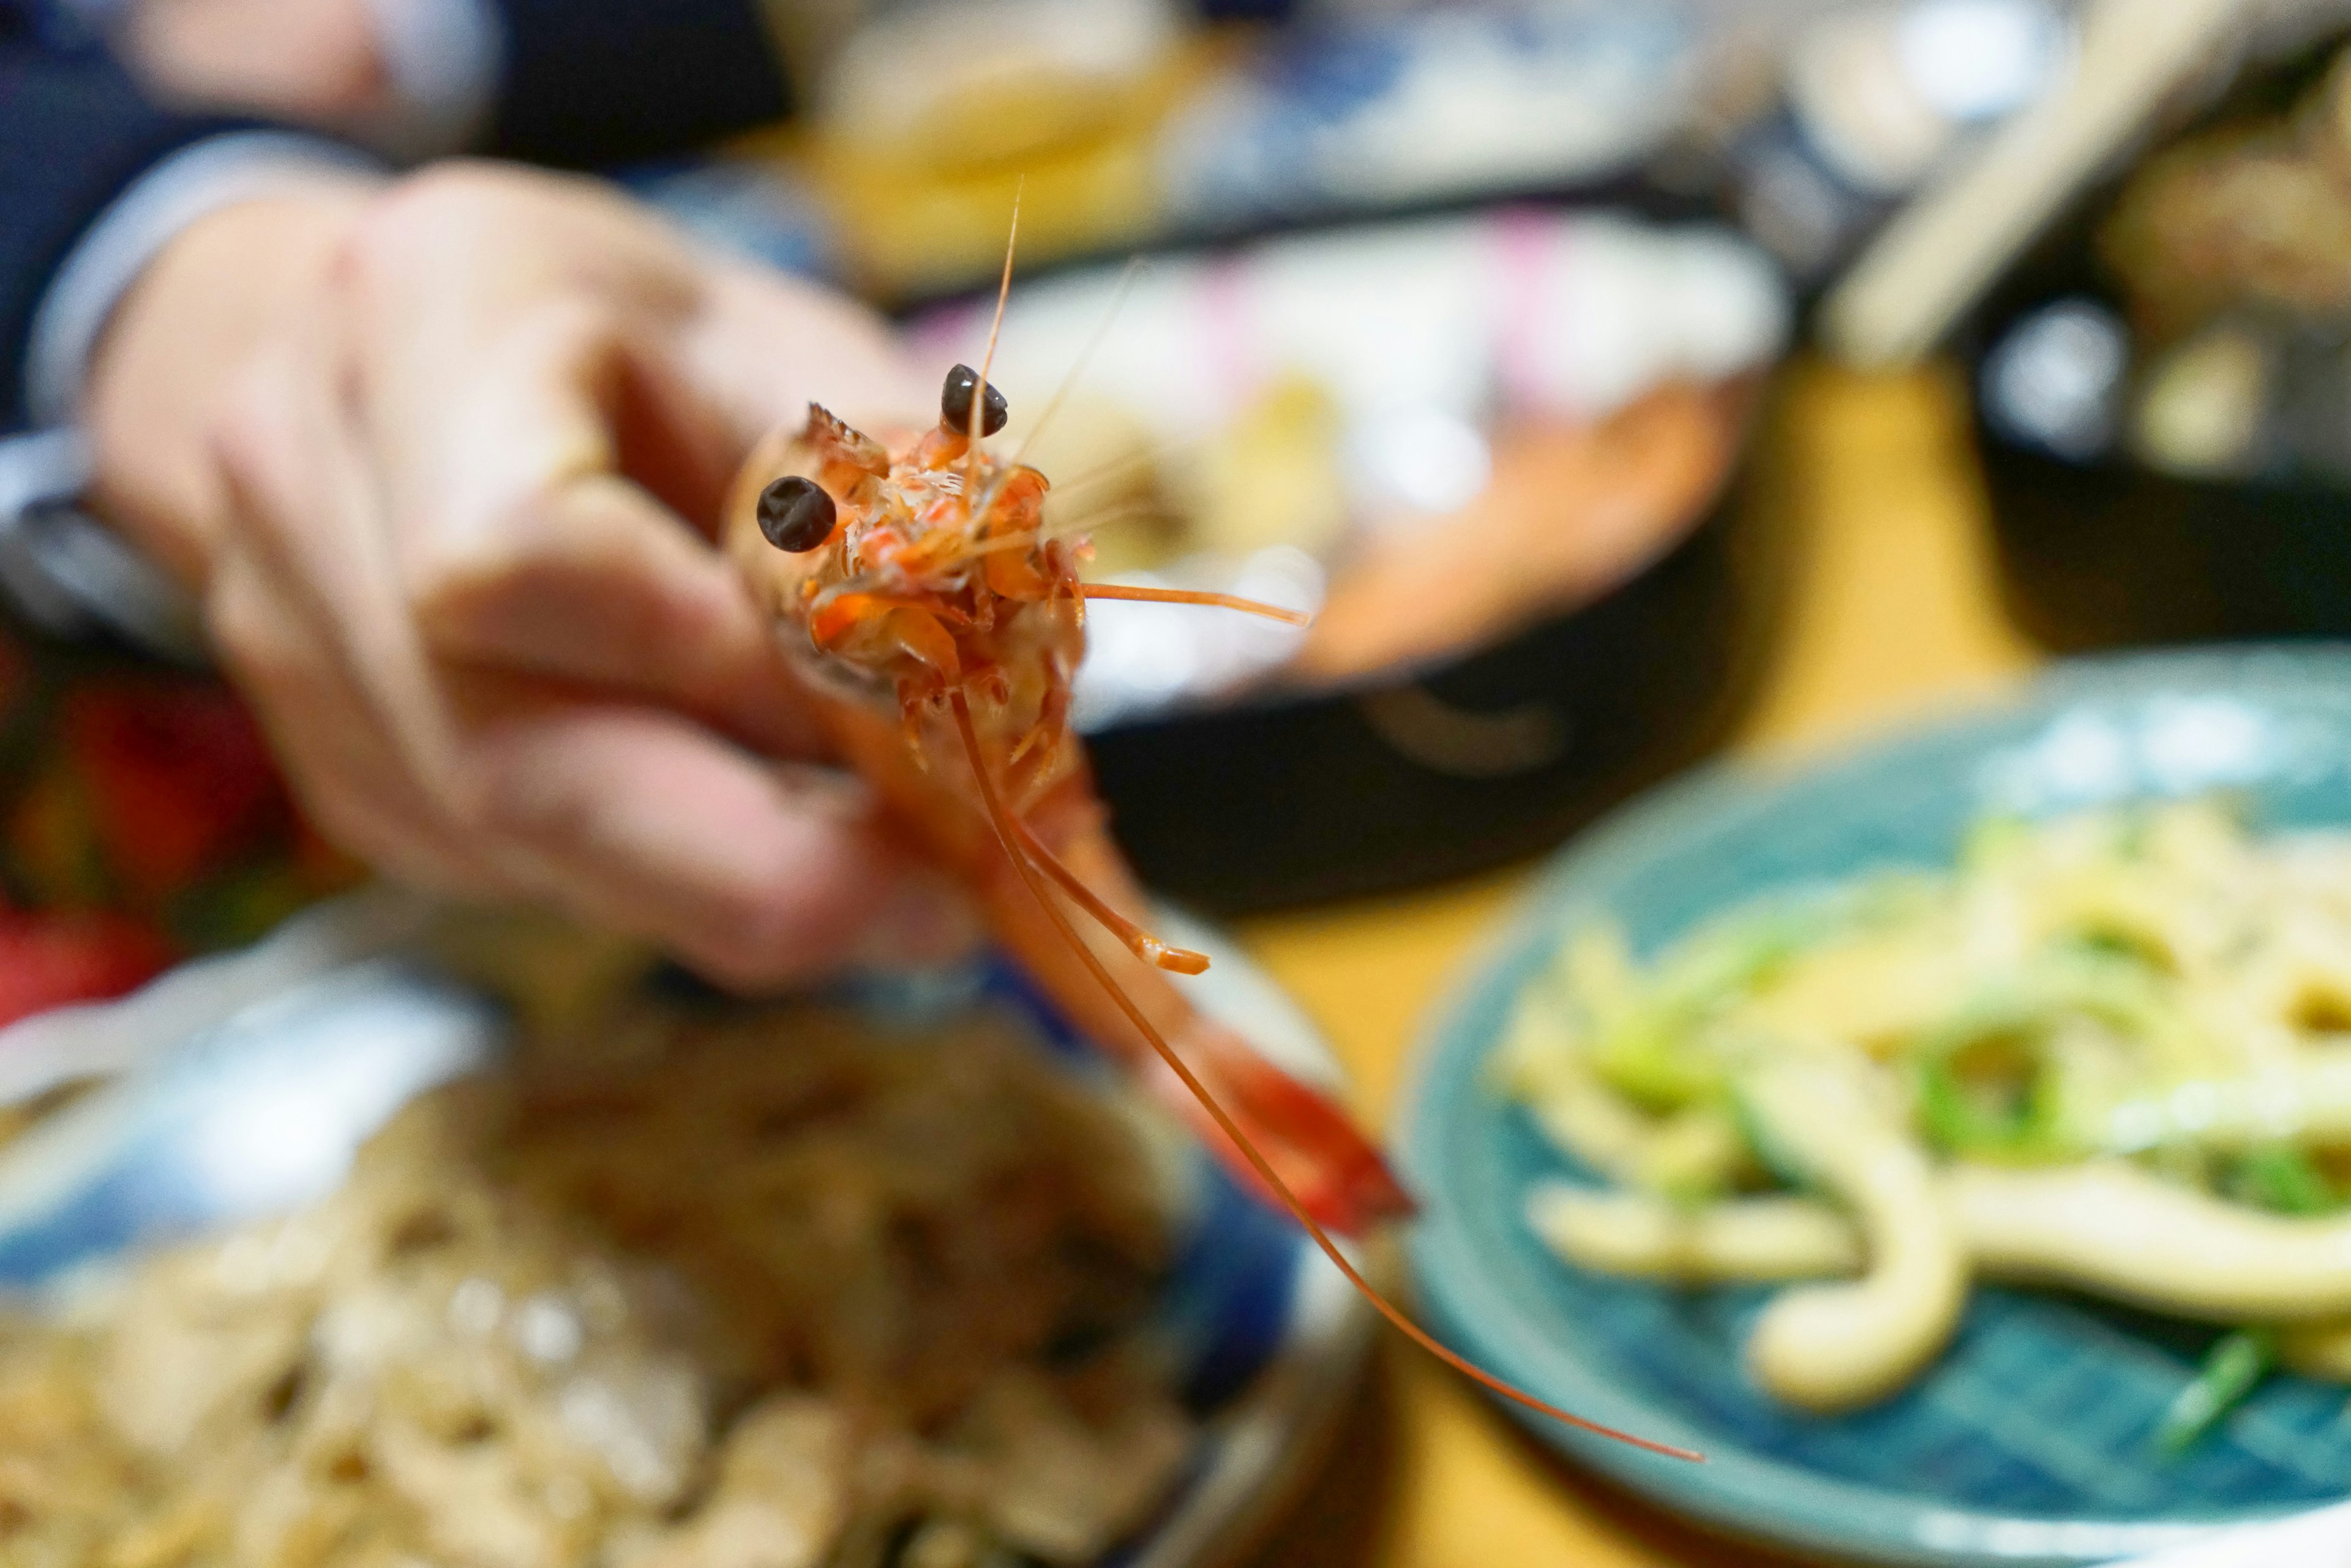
column 482, row 584
column 241, row 430
column 436, row 577
column 450, row 197
column 249, row 636
column 441, row 217
column 573, row 334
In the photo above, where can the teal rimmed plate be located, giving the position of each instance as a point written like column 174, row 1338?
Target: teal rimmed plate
column 2029, row 1441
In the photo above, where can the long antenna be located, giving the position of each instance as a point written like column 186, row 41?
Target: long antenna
column 997, row 816
column 1085, row 357
column 988, row 359
column 1187, row 596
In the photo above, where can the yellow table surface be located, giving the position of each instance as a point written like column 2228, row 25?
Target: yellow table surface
column 1891, row 613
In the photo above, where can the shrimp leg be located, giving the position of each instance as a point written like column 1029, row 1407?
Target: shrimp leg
column 1145, row 945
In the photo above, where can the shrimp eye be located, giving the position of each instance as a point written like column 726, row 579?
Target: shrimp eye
column 796, row 514
column 954, row 403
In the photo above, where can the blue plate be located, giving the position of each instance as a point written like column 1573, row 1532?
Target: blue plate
column 244, row 1086
column 2029, row 1441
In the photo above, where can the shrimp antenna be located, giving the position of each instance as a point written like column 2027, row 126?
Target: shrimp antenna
column 1006, row 836
column 1126, row 462
column 1187, row 596
column 988, row 359
column 1092, row 523
column 1077, row 371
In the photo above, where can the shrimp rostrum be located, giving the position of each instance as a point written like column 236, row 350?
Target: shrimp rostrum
column 940, row 624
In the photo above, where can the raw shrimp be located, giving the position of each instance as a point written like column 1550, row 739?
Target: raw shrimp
column 941, row 625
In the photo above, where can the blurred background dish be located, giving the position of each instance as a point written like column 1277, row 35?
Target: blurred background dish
column 2159, row 383
column 325, row 1033
column 1496, row 456
column 2029, row 1441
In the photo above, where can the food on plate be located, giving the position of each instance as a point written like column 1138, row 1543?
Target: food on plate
column 2109, row 1052
column 2233, row 251
column 1272, row 476
column 2255, row 213
column 1571, row 510
column 742, row 1288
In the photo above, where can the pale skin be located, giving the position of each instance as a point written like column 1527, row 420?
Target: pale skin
column 441, row 458
column 311, row 61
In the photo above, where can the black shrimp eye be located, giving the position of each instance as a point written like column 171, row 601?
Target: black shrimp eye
column 954, row 403
column 796, row 514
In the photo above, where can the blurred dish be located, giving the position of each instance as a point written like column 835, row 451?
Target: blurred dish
column 2105, row 1053
column 2028, row 1441
column 1360, row 113
column 261, row 1113
column 1410, row 777
column 2163, row 383
column 1435, row 434
column 1500, row 453
column 1125, row 123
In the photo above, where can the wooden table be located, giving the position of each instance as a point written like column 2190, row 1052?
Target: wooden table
column 1891, row 613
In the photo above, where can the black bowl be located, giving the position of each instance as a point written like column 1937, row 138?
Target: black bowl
column 2110, row 552
column 2114, row 555
column 1409, row 778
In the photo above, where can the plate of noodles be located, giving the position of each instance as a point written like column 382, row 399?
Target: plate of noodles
column 1951, row 1141
column 421, row 1236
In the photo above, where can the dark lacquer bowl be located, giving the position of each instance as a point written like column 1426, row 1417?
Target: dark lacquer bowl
column 2098, row 549
column 1288, row 799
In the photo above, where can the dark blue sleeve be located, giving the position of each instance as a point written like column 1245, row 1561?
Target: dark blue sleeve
column 587, row 83
column 593, row 83
column 73, row 132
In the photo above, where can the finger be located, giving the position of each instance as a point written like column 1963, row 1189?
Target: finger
column 592, row 582
column 350, row 785
column 308, row 513
column 522, row 546
column 653, row 825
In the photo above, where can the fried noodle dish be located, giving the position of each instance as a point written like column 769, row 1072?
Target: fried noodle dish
column 2109, row 1052
column 771, row 1291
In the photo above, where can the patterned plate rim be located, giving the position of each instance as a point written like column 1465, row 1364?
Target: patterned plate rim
column 1257, row 1451
column 1739, row 1490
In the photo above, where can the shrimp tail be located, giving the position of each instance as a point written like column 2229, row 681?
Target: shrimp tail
column 1311, row 1144
column 1292, row 1145
column 1336, row 1198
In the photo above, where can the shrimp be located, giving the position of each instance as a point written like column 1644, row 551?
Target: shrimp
column 940, row 624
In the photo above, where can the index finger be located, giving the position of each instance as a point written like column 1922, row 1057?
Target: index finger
column 507, row 405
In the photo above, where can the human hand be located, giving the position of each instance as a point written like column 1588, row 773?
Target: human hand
column 442, row 459
column 314, row 62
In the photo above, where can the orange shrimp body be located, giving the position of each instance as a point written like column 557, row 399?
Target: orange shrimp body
column 914, row 586
column 923, row 590
column 943, row 630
